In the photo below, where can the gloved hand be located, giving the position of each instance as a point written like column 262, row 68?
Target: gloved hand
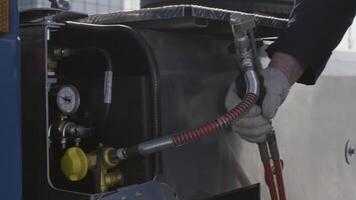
column 283, row 71
column 255, row 125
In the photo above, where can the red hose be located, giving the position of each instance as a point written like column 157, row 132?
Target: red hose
column 244, row 106
column 226, row 120
column 270, row 181
column 280, row 181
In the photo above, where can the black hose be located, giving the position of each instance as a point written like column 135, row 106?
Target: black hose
column 156, row 102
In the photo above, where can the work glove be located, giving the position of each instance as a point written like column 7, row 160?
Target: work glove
column 255, row 125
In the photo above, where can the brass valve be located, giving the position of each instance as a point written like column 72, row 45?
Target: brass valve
column 68, row 129
column 109, row 177
column 75, row 165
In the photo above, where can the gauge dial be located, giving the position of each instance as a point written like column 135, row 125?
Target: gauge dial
column 68, row 99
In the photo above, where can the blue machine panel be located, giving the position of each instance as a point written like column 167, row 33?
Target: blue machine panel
column 10, row 118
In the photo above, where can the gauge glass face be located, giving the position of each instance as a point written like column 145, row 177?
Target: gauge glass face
column 68, row 99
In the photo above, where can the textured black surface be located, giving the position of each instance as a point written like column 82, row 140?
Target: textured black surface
column 247, row 193
column 37, row 14
column 176, row 12
column 272, row 7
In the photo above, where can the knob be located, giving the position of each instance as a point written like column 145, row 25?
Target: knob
column 350, row 152
column 74, row 164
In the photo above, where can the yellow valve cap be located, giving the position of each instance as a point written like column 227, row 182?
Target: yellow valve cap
column 74, row 164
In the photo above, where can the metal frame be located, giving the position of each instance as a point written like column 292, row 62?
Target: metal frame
column 10, row 99
column 180, row 12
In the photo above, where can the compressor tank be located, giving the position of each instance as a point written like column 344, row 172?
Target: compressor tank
column 170, row 73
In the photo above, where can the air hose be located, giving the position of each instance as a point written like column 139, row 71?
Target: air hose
column 241, row 26
column 277, row 163
column 220, row 123
column 182, row 138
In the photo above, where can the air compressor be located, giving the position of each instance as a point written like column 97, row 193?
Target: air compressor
column 106, row 82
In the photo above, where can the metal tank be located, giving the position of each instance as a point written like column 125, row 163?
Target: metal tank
column 169, row 71
column 171, row 68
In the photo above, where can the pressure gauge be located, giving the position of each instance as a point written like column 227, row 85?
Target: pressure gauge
column 68, row 99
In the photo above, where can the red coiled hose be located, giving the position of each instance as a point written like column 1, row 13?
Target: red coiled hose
column 243, row 107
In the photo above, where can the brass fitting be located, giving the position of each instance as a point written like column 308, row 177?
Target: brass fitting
column 75, row 165
column 110, row 161
column 113, row 178
column 110, row 179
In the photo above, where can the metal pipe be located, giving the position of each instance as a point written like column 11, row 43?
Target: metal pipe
column 252, row 82
column 155, row 145
column 146, row 148
column 64, row 131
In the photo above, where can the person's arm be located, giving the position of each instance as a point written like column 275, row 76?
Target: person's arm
column 300, row 54
column 315, row 28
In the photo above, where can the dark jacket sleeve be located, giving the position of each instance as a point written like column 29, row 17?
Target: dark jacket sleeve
column 314, row 30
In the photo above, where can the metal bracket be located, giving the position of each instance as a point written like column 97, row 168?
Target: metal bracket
column 61, row 4
column 242, row 23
